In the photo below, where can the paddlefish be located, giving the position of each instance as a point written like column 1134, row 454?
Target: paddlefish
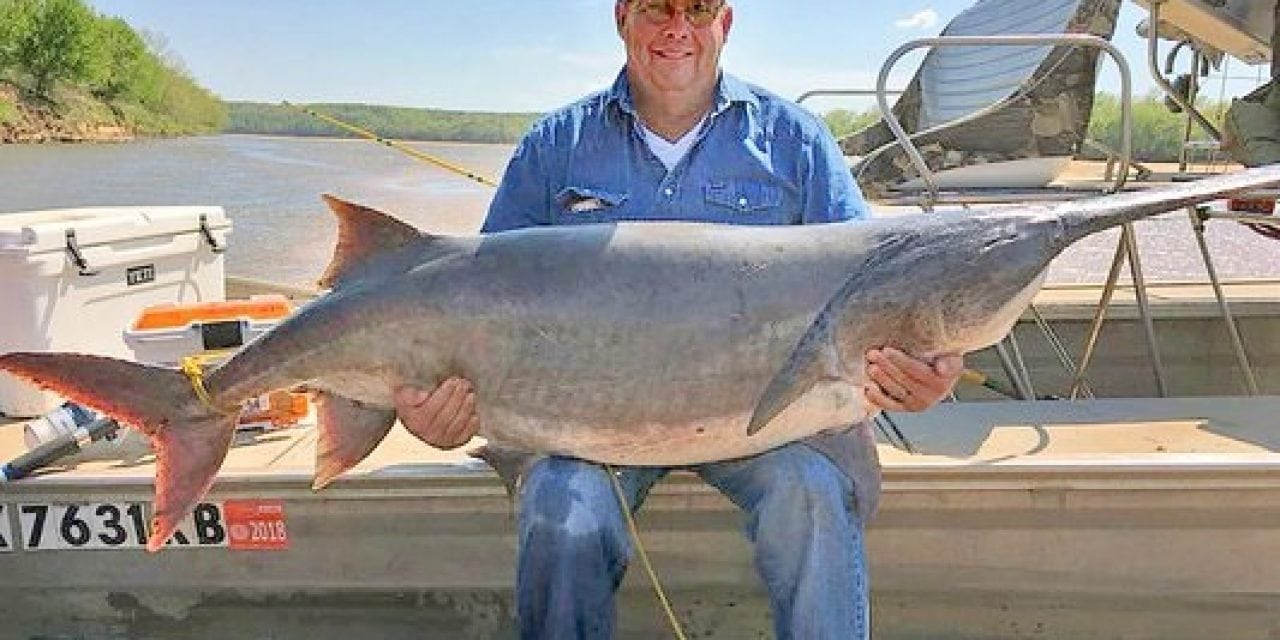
column 646, row 343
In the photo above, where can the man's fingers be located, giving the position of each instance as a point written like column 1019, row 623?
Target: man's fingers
column 460, row 428
column 887, row 382
column 466, row 431
column 919, row 377
column 904, row 389
column 907, row 370
column 909, row 383
column 883, row 401
column 438, row 416
column 452, row 394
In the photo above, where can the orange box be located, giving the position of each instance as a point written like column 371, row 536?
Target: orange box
column 167, row 334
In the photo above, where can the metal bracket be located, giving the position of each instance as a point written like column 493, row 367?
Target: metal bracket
column 73, row 248
column 208, row 235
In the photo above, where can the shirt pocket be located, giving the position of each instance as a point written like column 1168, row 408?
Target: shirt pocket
column 745, row 199
column 588, row 204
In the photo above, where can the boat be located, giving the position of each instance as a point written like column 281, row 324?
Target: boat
column 1073, row 518
column 1125, row 512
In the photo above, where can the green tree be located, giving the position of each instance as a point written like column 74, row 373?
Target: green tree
column 15, row 17
column 1157, row 132
column 843, row 122
column 58, row 44
column 118, row 61
column 100, row 70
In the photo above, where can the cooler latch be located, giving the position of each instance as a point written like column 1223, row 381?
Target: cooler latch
column 208, row 235
column 73, row 249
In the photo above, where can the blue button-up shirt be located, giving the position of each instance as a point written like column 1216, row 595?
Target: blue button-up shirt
column 757, row 159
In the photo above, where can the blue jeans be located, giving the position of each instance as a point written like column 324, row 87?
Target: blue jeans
column 574, row 547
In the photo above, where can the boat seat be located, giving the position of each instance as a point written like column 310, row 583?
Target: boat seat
column 1044, row 96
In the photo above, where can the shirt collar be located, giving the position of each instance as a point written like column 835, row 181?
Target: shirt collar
column 728, row 91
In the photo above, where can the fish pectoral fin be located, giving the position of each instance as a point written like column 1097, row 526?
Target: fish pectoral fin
column 347, row 431
column 814, row 360
column 510, row 463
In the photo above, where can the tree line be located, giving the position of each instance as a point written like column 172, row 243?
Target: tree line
column 402, row 123
column 58, row 53
column 1157, row 131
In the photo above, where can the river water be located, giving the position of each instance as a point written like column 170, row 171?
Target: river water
column 271, row 186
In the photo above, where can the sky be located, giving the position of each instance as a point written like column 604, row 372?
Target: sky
column 530, row 55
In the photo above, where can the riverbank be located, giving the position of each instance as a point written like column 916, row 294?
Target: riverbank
column 79, row 119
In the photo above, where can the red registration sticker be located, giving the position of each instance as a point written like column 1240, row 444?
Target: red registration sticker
column 255, row 524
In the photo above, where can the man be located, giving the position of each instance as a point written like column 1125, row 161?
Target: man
column 674, row 138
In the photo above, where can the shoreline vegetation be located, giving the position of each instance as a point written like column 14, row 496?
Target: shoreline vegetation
column 70, row 74
column 396, row 123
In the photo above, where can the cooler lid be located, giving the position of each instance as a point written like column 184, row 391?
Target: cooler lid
column 40, row 231
column 177, row 315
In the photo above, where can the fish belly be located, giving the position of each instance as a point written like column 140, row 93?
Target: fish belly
column 637, row 441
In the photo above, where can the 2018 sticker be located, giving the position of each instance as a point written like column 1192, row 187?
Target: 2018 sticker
column 256, row 524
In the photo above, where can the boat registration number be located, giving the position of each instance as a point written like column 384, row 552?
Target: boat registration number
column 6, row 529
column 234, row 524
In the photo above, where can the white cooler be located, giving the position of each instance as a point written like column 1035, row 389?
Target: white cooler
column 76, row 279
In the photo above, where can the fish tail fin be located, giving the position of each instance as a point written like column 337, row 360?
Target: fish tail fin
column 190, row 439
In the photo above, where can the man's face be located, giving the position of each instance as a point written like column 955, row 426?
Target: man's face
column 673, row 45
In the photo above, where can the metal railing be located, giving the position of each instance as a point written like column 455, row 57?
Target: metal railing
column 1126, row 249
column 1071, row 39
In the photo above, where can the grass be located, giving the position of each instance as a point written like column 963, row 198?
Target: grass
column 8, row 111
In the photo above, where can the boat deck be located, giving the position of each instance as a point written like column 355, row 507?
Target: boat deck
column 1080, row 518
column 966, row 437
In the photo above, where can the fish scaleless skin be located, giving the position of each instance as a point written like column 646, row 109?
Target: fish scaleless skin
column 632, row 344
column 641, row 343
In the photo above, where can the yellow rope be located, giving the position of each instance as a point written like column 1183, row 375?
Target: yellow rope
column 644, row 557
column 193, row 368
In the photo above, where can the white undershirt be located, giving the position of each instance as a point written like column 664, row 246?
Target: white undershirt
column 670, row 153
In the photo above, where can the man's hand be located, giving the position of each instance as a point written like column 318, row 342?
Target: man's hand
column 444, row 417
column 903, row 383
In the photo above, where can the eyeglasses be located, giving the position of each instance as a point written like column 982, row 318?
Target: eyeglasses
column 699, row 12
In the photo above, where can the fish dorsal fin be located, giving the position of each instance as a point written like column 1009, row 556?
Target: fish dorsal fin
column 363, row 233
